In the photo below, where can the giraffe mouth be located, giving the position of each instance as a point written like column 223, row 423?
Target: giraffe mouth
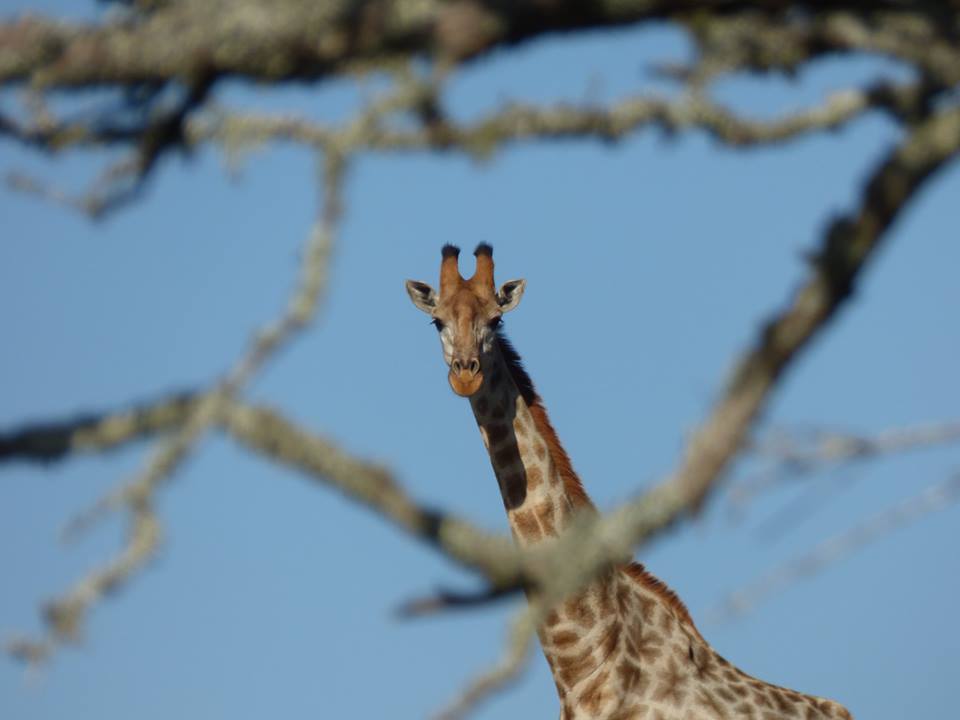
column 465, row 383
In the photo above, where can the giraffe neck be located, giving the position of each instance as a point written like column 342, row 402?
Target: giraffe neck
column 539, row 488
column 541, row 493
column 624, row 646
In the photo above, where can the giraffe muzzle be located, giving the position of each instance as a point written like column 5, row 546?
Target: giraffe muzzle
column 465, row 376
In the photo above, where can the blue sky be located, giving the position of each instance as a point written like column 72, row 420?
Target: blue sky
column 650, row 265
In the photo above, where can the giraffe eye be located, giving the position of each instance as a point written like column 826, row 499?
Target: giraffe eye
column 495, row 323
column 438, row 324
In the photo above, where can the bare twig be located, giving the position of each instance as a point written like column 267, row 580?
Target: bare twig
column 119, row 184
column 811, row 449
column 64, row 616
column 123, row 181
column 932, row 499
column 792, row 454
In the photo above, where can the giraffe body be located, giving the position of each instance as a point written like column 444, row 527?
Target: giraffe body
column 624, row 647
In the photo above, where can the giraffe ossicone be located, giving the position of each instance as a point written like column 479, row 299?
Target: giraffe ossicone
column 624, row 647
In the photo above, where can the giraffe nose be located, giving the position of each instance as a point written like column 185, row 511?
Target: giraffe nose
column 471, row 366
column 465, row 376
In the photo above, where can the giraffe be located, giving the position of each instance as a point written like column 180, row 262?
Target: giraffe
column 625, row 647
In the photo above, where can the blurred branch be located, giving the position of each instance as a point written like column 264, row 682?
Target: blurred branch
column 809, row 450
column 794, row 453
column 124, row 180
column 283, row 40
column 758, row 39
column 280, row 40
column 183, row 49
column 118, row 184
column 935, row 497
column 53, row 441
column 266, row 432
column 64, row 616
column 513, row 123
column 518, row 122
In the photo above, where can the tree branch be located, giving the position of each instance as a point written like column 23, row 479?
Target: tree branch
column 276, row 40
column 266, row 432
column 517, row 123
column 64, row 616
column 792, row 453
column 56, row 440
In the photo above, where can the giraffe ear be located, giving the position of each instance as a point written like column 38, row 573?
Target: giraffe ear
column 510, row 293
column 423, row 296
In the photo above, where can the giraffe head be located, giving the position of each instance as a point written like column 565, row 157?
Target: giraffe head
column 467, row 314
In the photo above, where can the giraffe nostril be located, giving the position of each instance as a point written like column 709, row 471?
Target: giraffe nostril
column 455, row 366
column 474, row 366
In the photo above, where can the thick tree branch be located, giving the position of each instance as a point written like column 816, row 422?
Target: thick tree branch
column 268, row 433
column 921, row 35
column 57, row 440
column 271, row 40
column 190, row 46
column 283, row 39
